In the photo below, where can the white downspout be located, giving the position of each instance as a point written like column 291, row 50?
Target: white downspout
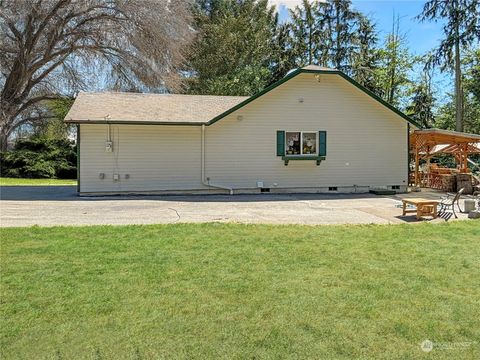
column 206, row 181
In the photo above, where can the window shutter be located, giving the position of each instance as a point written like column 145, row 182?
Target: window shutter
column 280, row 143
column 322, row 143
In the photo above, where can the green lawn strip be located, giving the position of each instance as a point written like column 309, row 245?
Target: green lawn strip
column 35, row 182
column 198, row 291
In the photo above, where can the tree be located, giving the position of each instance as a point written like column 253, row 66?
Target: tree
column 341, row 26
column 54, row 127
column 46, row 45
column 232, row 53
column 422, row 105
column 306, row 33
column 471, row 96
column 461, row 29
column 283, row 52
column 365, row 57
column 395, row 64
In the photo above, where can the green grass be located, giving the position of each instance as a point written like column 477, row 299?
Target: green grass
column 35, row 182
column 227, row 291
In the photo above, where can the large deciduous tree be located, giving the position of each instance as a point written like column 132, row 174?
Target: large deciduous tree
column 47, row 46
column 461, row 29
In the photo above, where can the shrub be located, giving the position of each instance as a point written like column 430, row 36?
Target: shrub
column 40, row 157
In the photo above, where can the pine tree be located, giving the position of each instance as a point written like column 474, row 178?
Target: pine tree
column 365, row 57
column 340, row 22
column 305, row 33
column 283, row 53
column 395, row 64
column 422, row 104
column 233, row 51
column 461, row 29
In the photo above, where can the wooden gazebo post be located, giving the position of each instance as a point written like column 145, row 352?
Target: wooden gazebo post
column 464, row 158
column 417, row 161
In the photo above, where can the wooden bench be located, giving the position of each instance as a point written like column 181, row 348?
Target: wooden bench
column 424, row 207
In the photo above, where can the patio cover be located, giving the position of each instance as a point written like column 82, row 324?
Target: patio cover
column 429, row 142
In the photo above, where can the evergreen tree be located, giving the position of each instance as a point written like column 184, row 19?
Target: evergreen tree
column 341, row 25
column 471, row 97
column 283, row 52
column 461, row 29
column 233, row 51
column 365, row 58
column 422, row 103
column 395, row 64
column 306, row 34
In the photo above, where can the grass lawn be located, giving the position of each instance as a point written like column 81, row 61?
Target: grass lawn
column 35, row 182
column 213, row 291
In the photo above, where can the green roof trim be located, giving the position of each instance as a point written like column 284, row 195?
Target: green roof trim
column 312, row 71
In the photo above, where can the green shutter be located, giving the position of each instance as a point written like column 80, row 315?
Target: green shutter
column 322, row 143
column 280, row 143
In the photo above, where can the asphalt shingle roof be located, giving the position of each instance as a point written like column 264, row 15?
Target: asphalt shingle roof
column 162, row 108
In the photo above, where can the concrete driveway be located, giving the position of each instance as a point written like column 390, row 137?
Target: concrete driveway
column 60, row 205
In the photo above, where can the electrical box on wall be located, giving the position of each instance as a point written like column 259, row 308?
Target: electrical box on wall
column 108, row 146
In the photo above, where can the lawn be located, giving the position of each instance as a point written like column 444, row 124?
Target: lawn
column 35, row 182
column 213, row 291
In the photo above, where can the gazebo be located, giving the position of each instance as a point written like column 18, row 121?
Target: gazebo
column 424, row 144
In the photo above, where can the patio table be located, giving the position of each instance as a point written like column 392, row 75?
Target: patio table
column 424, row 207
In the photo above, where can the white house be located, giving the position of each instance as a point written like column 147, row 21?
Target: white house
column 316, row 130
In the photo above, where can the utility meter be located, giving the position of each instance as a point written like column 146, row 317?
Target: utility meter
column 108, row 146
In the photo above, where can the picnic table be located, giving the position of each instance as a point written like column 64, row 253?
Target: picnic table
column 424, row 207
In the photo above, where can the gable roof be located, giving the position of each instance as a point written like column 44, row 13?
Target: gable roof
column 135, row 108
column 314, row 69
column 173, row 109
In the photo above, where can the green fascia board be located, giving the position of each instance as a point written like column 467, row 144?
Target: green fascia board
column 311, row 71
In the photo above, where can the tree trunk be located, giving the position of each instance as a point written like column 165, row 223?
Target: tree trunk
column 458, row 87
column 3, row 140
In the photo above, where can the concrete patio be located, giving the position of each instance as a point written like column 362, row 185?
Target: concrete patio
column 59, row 205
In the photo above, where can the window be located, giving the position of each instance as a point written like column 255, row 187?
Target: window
column 301, row 143
column 309, row 141
column 293, row 143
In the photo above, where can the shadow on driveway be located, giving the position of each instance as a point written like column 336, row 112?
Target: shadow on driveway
column 69, row 193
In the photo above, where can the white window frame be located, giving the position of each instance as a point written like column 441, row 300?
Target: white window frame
column 301, row 142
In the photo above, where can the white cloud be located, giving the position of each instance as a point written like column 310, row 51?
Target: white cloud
column 287, row 3
column 290, row 4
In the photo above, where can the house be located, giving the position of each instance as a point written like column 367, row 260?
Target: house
column 316, row 130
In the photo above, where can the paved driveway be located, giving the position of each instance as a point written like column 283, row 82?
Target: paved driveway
column 60, row 205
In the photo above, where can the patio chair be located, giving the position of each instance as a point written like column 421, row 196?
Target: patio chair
column 449, row 201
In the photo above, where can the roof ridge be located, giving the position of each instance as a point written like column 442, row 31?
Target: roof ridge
column 110, row 92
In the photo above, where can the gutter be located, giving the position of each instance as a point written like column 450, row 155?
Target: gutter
column 206, row 181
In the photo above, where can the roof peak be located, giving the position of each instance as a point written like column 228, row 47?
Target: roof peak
column 317, row 67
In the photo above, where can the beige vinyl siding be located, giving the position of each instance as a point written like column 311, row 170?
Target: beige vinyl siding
column 366, row 142
column 155, row 157
column 366, row 145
